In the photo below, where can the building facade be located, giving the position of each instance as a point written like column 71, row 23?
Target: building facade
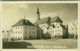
column 73, row 30
column 23, row 30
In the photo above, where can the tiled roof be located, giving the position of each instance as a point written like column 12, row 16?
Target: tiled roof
column 62, row 26
column 44, row 20
column 55, row 19
column 49, row 20
column 23, row 22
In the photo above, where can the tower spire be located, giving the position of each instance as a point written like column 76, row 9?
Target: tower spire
column 38, row 14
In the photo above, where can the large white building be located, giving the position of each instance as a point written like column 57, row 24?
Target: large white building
column 23, row 29
column 73, row 29
column 53, row 26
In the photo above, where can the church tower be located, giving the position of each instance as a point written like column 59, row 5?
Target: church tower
column 38, row 14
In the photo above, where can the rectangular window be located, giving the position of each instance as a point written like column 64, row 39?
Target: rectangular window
column 57, row 26
column 26, row 27
column 42, row 26
column 18, row 32
column 50, row 28
column 30, row 27
column 76, row 28
column 21, row 31
column 14, row 32
column 26, row 32
column 30, row 32
column 21, row 27
column 76, row 31
column 53, row 31
column 16, row 27
column 21, row 38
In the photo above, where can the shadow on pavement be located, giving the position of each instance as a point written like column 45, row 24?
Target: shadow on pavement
column 17, row 45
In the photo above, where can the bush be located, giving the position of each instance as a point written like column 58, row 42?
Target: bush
column 12, row 39
column 47, row 36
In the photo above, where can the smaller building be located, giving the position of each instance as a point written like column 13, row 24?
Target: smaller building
column 23, row 30
column 73, row 30
column 58, row 31
column 5, row 35
column 53, row 26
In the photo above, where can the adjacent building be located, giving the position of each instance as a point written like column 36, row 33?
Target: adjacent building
column 5, row 35
column 73, row 29
column 51, row 25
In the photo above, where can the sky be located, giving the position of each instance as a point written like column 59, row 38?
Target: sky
column 12, row 12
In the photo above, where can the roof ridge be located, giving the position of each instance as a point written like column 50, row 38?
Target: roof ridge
column 23, row 22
